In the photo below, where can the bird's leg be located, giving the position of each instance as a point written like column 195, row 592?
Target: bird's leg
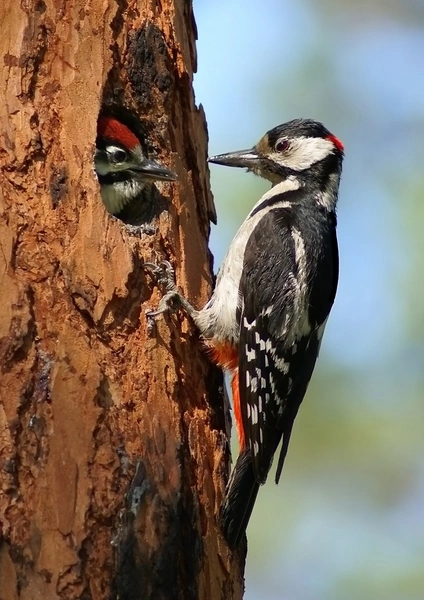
column 164, row 276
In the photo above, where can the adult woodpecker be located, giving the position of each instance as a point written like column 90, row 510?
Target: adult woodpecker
column 122, row 168
column 267, row 314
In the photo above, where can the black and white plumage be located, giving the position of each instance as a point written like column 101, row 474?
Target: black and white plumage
column 274, row 291
column 121, row 166
column 282, row 319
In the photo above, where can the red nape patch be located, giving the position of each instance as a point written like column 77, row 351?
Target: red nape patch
column 336, row 142
column 115, row 131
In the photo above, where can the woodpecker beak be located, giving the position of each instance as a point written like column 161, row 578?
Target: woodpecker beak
column 243, row 158
column 150, row 169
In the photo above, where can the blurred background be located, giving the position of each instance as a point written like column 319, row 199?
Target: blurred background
column 347, row 520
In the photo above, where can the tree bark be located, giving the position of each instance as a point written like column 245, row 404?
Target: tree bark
column 113, row 440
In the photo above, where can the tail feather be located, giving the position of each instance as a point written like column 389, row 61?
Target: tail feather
column 283, row 452
column 238, row 504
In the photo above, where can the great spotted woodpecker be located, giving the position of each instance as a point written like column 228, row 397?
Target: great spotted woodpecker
column 267, row 314
column 121, row 167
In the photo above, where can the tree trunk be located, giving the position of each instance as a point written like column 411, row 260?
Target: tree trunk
column 114, row 449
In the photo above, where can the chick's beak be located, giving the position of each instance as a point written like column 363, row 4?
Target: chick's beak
column 241, row 158
column 150, row 169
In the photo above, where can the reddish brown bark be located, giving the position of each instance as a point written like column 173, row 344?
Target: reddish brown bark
column 113, row 445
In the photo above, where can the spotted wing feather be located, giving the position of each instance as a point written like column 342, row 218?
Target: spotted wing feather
column 281, row 325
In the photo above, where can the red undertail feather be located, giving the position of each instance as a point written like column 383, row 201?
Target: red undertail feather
column 237, row 410
column 226, row 356
column 111, row 129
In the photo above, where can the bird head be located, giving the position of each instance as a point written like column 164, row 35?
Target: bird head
column 121, row 166
column 299, row 149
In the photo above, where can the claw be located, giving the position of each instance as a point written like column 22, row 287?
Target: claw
column 169, row 302
column 164, row 275
column 165, row 265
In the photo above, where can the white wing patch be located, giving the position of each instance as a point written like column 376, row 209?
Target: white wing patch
column 293, row 330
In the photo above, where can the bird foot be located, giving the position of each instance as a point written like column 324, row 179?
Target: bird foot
column 164, row 276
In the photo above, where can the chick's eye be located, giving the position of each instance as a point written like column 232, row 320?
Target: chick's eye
column 120, row 155
column 117, row 155
column 282, row 145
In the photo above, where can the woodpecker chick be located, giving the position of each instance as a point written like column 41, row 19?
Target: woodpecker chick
column 121, row 167
column 273, row 294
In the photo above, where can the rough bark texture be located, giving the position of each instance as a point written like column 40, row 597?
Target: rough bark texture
column 114, row 450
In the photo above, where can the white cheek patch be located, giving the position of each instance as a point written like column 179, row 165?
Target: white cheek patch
column 304, row 152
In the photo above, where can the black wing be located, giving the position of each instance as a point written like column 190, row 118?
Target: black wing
column 288, row 291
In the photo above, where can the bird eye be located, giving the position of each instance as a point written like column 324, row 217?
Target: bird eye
column 117, row 155
column 282, row 145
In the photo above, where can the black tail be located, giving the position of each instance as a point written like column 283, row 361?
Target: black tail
column 239, row 501
column 284, row 448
